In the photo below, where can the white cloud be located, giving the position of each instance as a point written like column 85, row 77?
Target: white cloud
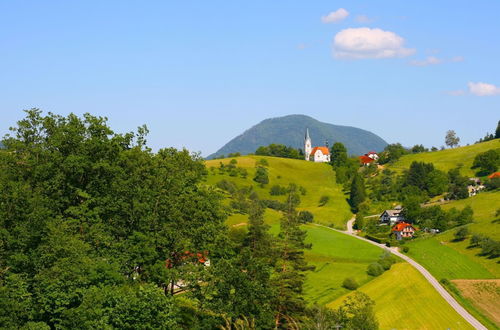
column 430, row 60
column 483, row 89
column 335, row 16
column 360, row 43
column 363, row 19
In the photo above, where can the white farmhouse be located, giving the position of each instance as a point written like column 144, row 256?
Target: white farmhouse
column 316, row 154
column 390, row 217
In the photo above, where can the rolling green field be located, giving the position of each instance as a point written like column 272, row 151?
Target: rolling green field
column 336, row 256
column 317, row 178
column 447, row 159
column 445, row 258
column 405, row 300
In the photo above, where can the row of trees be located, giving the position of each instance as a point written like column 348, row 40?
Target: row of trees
column 280, row 150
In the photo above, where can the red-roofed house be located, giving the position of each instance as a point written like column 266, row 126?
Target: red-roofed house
column 494, row 175
column 365, row 160
column 403, row 230
column 372, row 154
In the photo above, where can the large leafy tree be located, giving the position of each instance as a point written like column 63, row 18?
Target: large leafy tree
column 83, row 207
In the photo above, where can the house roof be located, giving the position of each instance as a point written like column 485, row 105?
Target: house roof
column 393, row 213
column 371, row 153
column 324, row 150
column 400, row 226
column 365, row 159
column 494, row 175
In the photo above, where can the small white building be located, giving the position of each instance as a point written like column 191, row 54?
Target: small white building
column 373, row 155
column 316, row 154
column 390, row 217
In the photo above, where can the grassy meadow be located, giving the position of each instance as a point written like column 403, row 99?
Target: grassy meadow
column 446, row 258
column 405, row 300
column 447, row 159
column 317, row 178
column 336, row 256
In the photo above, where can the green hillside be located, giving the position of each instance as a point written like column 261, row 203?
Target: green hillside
column 445, row 258
column 317, row 178
column 336, row 256
column 289, row 130
column 405, row 300
column 449, row 158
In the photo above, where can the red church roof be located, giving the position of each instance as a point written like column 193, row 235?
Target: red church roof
column 365, row 159
column 323, row 150
column 400, row 226
column 494, row 175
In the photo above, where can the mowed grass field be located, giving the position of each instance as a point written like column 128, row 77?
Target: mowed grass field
column 317, row 178
column 447, row 159
column 445, row 258
column 405, row 300
column 336, row 256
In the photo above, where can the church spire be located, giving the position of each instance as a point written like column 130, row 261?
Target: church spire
column 307, row 135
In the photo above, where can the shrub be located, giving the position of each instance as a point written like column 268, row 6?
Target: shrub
column 261, row 176
column 386, row 261
column 263, row 162
column 225, row 185
column 461, row 234
column 406, row 249
column 305, row 217
column 277, row 190
column 302, row 190
column 323, row 200
column 375, row 269
column 350, row 283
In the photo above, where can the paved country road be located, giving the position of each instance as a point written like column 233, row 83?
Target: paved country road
column 431, row 279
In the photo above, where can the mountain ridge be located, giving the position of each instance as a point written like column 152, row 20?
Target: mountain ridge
column 289, row 130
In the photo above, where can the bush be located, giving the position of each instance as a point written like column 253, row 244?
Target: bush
column 262, row 162
column 225, row 185
column 323, row 200
column 406, row 249
column 461, row 234
column 375, row 269
column 305, row 217
column 261, row 176
column 386, row 261
column 350, row 283
column 277, row 190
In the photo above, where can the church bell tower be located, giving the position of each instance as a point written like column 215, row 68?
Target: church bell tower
column 307, row 145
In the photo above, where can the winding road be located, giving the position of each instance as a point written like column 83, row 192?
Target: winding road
column 431, row 279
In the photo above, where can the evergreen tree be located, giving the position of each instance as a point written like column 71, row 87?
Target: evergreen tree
column 358, row 194
column 497, row 131
column 338, row 155
column 290, row 268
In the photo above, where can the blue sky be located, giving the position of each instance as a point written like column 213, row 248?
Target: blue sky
column 198, row 73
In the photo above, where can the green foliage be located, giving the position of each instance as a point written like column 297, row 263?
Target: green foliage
column 261, row 176
column 375, row 269
column 85, row 208
column 497, row 131
column 279, row 150
column 426, row 178
column 277, row 190
column 358, row 312
column 418, row 148
column 357, row 194
column 323, row 200
column 451, row 139
column 305, row 217
column 487, row 162
column 350, row 283
column 338, row 154
column 461, row 234
column 405, row 249
column 392, row 153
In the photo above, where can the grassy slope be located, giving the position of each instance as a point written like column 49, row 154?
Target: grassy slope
column 405, row 300
column 450, row 158
column 318, row 179
column 336, row 256
column 454, row 260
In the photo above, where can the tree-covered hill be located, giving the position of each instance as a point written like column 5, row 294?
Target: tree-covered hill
column 290, row 130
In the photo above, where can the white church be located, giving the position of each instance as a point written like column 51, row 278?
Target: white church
column 316, row 154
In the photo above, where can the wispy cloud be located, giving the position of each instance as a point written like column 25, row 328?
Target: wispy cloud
column 335, row 16
column 457, row 59
column 430, row 60
column 361, row 43
column 483, row 89
column 364, row 19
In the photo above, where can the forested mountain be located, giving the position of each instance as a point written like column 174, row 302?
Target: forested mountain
column 289, row 131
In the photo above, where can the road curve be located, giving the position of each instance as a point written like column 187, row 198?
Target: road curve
column 431, row 279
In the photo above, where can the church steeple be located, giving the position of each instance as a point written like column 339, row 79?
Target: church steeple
column 307, row 145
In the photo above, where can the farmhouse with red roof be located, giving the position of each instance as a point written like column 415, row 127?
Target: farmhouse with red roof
column 403, row 230
column 365, row 160
column 316, row 154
